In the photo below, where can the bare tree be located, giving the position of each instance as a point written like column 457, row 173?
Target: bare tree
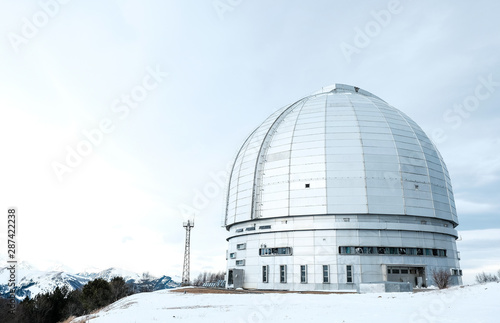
column 441, row 278
column 486, row 278
column 208, row 277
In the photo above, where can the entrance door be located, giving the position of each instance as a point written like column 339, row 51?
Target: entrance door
column 235, row 278
column 413, row 275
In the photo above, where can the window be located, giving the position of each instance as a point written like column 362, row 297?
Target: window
column 368, row 250
column 349, row 250
column 349, row 273
column 346, row 250
column 404, row 271
column 240, row 262
column 265, row 274
column 454, row 272
column 303, row 273
column 241, row 246
column 239, row 230
column 232, row 255
column 460, row 272
column 284, row 251
column 263, row 227
column 250, row 229
column 230, row 277
column 308, row 185
column 283, row 274
column 326, row 274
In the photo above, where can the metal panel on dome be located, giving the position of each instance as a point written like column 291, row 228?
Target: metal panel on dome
column 339, row 138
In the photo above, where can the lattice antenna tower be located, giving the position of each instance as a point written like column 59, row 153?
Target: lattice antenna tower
column 187, row 252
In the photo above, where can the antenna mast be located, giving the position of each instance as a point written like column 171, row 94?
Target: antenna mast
column 187, row 253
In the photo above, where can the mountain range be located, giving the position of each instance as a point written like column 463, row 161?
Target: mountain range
column 31, row 282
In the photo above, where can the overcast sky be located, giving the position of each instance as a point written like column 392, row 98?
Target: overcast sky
column 118, row 118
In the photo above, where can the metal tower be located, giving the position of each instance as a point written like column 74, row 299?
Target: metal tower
column 187, row 252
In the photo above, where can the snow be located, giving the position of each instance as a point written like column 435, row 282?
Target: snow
column 476, row 303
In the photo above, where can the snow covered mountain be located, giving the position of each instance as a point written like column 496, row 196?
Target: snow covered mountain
column 108, row 274
column 31, row 281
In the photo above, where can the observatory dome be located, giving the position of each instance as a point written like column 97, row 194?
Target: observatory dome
column 341, row 150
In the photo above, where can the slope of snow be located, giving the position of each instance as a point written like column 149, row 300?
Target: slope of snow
column 477, row 303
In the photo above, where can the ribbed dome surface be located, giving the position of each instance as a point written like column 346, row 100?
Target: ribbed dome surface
column 341, row 150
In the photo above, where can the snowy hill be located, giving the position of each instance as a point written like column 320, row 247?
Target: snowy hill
column 31, row 281
column 477, row 303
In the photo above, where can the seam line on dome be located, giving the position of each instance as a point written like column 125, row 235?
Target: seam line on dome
column 425, row 159
column 231, row 176
column 290, row 158
column 362, row 151
column 441, row 162
column 397, row 152
column 448, row 189
column 257, row 178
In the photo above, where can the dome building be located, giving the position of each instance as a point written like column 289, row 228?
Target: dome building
column 335, row 190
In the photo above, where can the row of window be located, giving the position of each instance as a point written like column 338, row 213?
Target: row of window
column 287, row 251
column 284, row 251
column 405, row 271
column 392, row 251
column 262, row 227
column 303, row 273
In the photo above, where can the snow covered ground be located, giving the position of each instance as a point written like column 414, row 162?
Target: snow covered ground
column 477, row 303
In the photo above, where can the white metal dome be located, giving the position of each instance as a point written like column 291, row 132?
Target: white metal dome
column 341, row 150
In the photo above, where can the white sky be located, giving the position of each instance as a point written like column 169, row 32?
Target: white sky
column 224, row 67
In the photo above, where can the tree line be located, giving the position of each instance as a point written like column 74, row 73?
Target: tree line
column 61, row 303
column 486, row 278
column 208, row 277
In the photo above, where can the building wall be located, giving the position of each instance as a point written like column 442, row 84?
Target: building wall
column 315, row 242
